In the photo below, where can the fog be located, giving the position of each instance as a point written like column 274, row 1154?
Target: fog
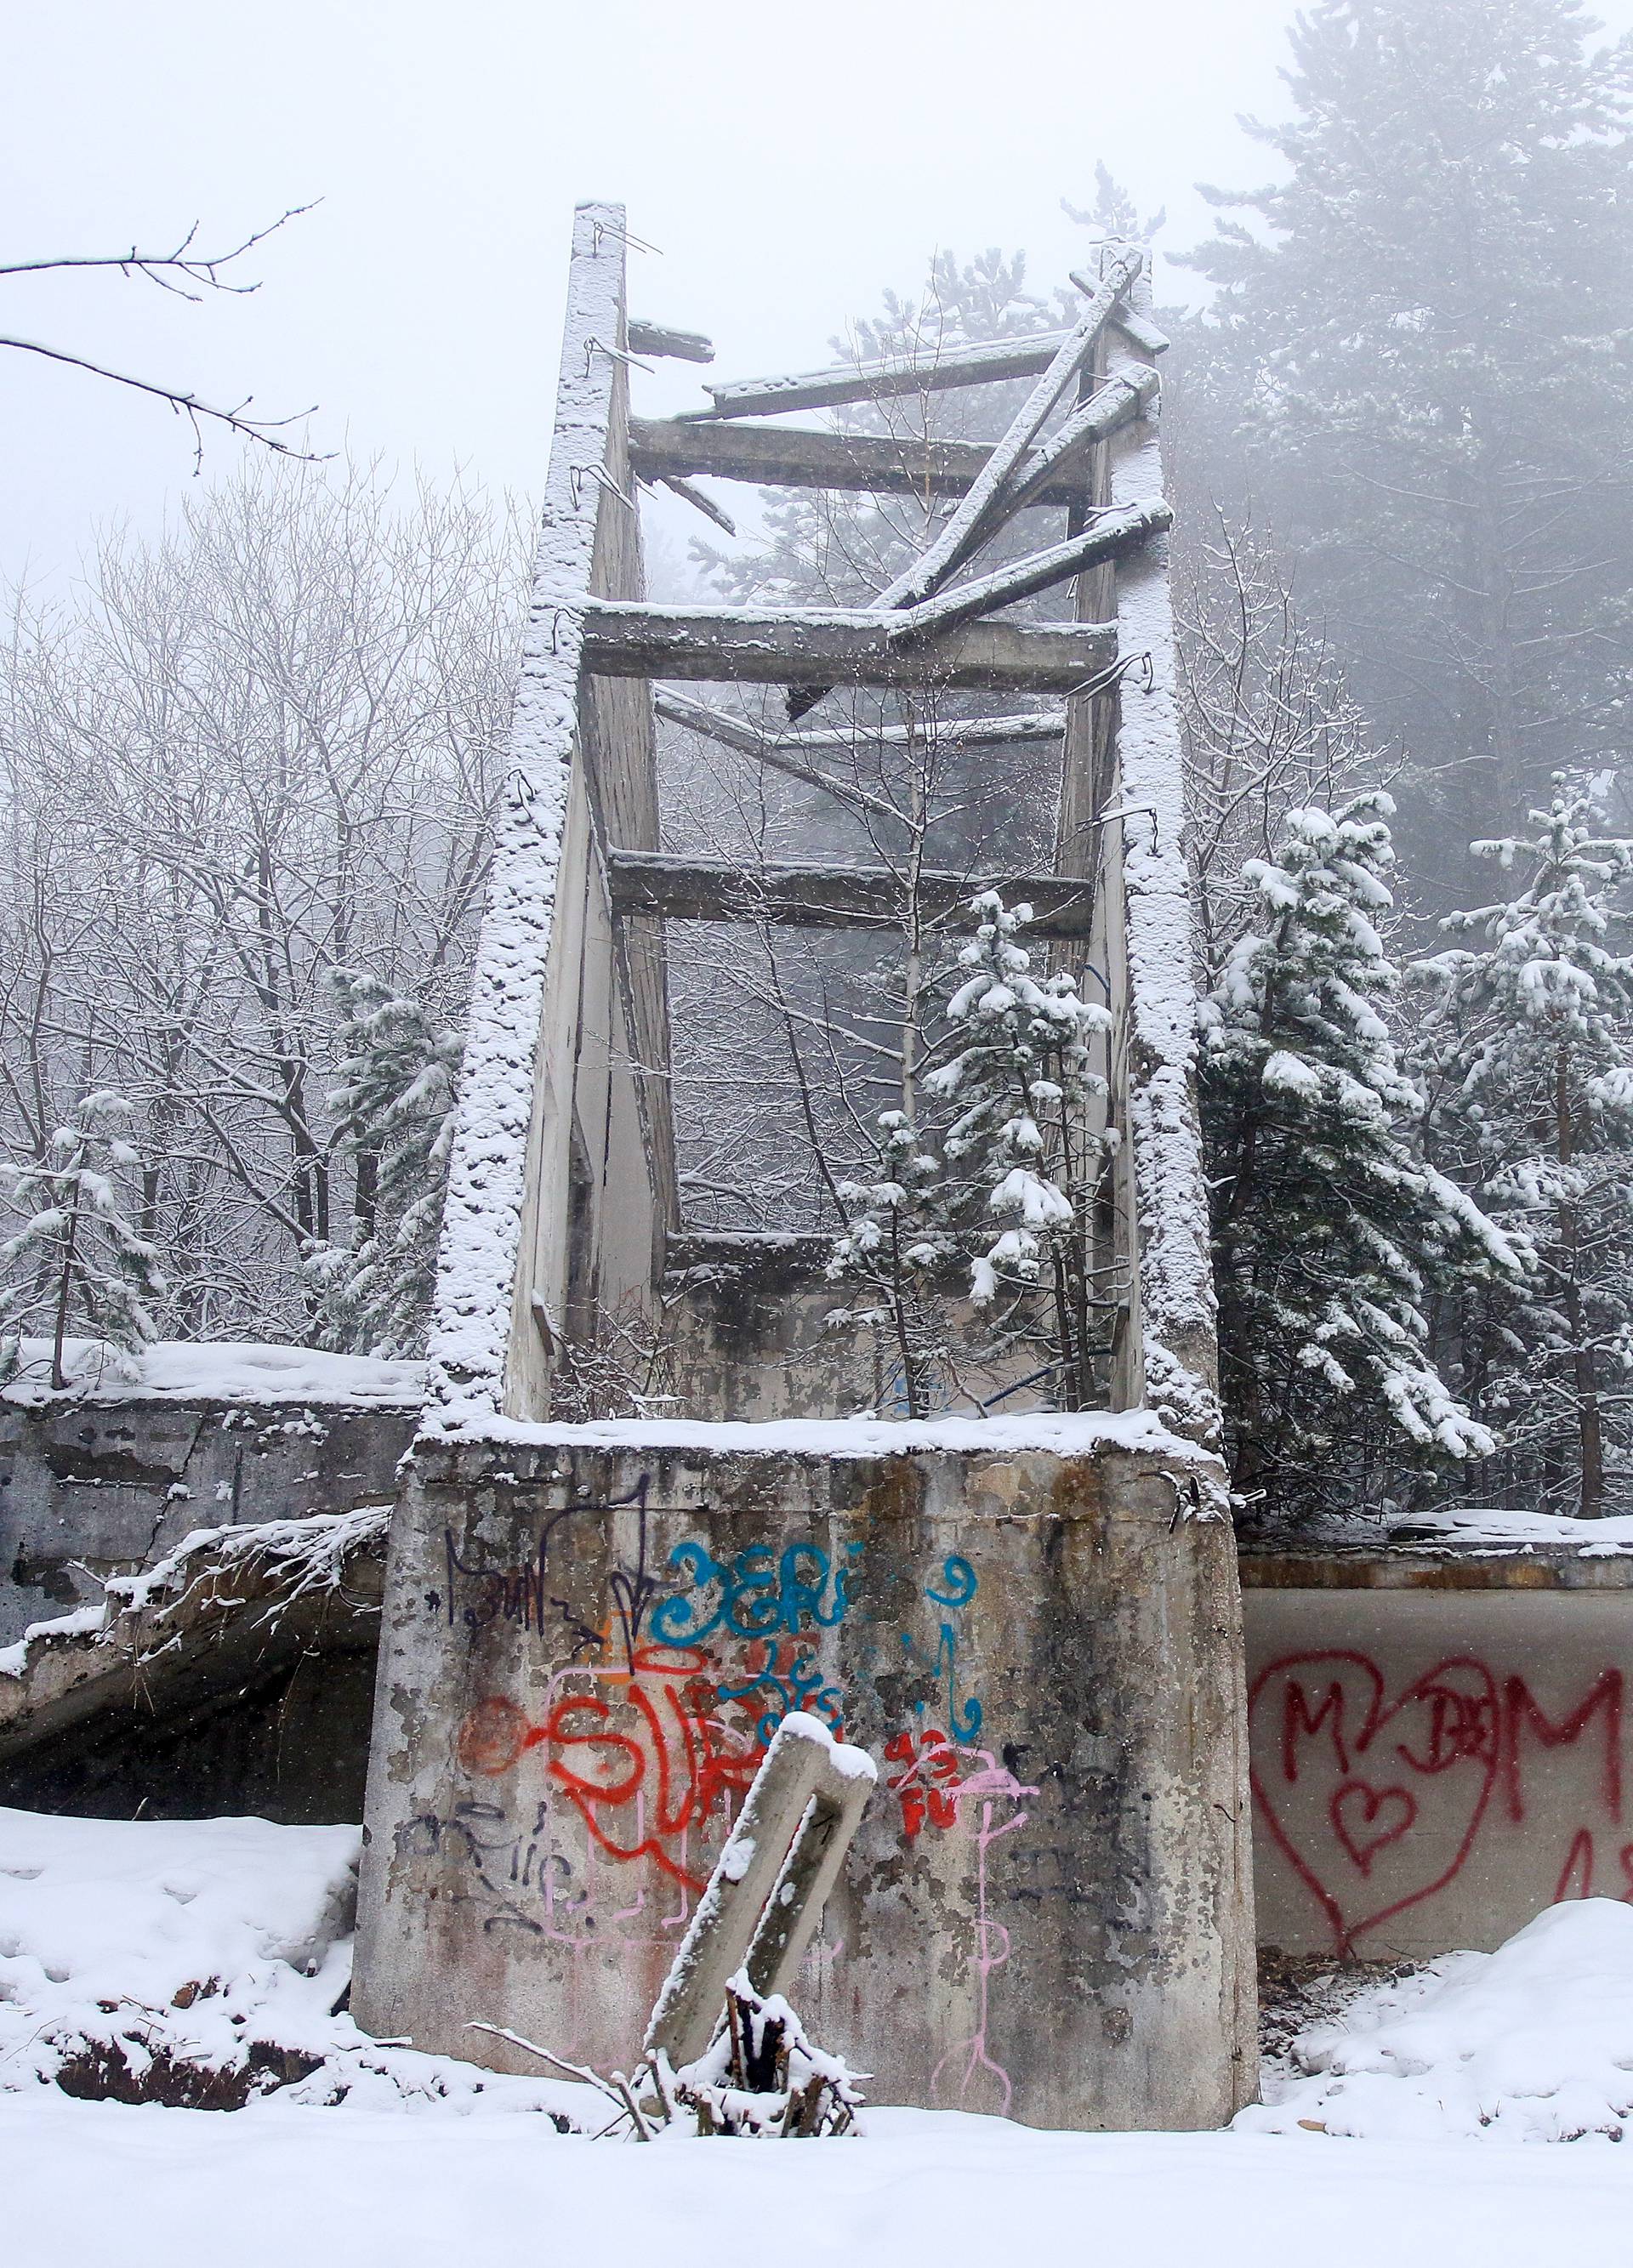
column 787, row 162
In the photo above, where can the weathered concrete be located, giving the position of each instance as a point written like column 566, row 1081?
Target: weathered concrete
column 1047, row 1907
column 1439, row 1741
column 106, row 1486
column 234, row 1677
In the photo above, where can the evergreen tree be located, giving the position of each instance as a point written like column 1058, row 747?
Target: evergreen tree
column 982, row 1251
column 1329, row 1230
column 1532, row 1047
column 394, row 1101
column 76, row 1258
column 1022, row 1143
column 1416, row 362
column 895, row 1247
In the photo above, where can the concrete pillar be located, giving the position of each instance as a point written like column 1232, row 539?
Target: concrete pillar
column 1047, row 1907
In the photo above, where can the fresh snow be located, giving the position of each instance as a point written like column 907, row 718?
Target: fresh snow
column 1480, row 1532
column 218, row 1370
column 1074, row 1433
column 1531, row 2043
column 201, row 1941
column 1444, row 2081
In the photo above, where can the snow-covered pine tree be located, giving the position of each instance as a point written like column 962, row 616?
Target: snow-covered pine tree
column 1023, row 1154
column 895, row 1246
column 1329, row 1229
column 1530, row 1053
column 394, row 1098
column 76, row 1258
column 981, row 1252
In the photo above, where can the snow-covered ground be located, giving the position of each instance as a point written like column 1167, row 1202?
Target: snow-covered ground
column 221, row 1946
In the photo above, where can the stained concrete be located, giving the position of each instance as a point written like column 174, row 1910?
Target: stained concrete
column 104, row 1487
column 1047, row 1910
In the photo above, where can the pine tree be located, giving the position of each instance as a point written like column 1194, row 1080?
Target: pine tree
column 1415, row 363
column 981, row 1251
column 395, row 1099
column 76, row 1258
column 1022, row 1143
column 1530, row 1042
column 896, row 1246
column 1329, row 1229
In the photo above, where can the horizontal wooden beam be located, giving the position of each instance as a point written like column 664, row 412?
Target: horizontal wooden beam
column 789, row 645
column 784, row 457
column 796, row 895
column 663, row 340
column 737, row 731
column 889, row 375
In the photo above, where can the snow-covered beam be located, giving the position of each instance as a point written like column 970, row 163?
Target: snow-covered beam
column 662, row 339
column 932, row 371
column 793, row 646
column 736, row 730
column 782, row 456
column 989, row 503
column 793, row 895
column 1112, row 535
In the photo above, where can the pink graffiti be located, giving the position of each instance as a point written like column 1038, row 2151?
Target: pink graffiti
column 990, row 1785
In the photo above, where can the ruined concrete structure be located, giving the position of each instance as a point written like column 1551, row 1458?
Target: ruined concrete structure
column 1030, row 1621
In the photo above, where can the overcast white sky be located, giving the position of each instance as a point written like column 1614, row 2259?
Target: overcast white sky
column 789, row 163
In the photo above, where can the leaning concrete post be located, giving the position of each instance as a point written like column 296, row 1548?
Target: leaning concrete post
column 770, row 1883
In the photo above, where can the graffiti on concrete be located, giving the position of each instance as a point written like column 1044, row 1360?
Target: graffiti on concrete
column 476, row 1595
column 1377, row 1801
column 756, row 1594
column 657, row 1708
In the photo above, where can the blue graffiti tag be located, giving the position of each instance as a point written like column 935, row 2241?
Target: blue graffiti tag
column 786, row 1687
column 958, row 1584
column 960, row 1578
column 756, row 1595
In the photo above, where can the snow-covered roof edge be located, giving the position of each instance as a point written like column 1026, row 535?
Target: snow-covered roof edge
column 479, row 1259
column 1067, row 1434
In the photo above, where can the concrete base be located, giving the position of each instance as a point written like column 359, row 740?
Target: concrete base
column 1047, row 1911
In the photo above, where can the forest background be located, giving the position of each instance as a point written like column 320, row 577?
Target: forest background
column 252, row 769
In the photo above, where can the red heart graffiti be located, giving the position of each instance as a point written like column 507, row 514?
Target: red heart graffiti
column 1382, row 1817
column 1334, row 1717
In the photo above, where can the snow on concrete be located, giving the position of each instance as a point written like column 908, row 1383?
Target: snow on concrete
column 1081, row 1434
column 481, row 1247
column 1481, row 1533
column 1531, row 2043
column 216, row 1370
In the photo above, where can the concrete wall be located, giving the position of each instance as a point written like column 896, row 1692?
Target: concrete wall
column 1440, row 1747
column 1047, row 1910
column 104, row 1487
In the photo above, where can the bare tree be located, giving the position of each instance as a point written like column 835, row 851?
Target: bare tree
column 255, row 756
column 187, row 274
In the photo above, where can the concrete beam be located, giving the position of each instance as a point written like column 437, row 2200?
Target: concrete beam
column 834, row 645
column 796, row 896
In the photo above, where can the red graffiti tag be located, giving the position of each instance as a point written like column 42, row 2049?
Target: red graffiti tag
column 1457, row 1724
column 930, row 1770
column 647, row 1758
column 1367, row 1820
